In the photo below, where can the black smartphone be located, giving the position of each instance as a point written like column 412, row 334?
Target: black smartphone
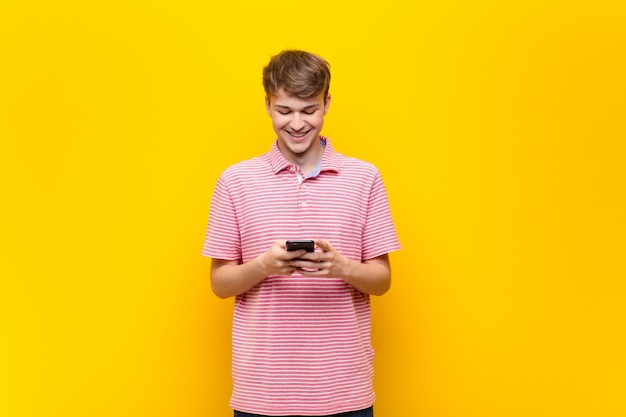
column 308, row 245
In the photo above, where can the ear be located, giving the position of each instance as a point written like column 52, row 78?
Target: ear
column 327, row 104
column 267, row 106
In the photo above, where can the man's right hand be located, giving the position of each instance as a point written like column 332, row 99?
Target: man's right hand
column 230, row 278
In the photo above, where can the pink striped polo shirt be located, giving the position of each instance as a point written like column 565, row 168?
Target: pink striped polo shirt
column 300, row 345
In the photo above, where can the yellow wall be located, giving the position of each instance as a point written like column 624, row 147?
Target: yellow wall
column 499, row 129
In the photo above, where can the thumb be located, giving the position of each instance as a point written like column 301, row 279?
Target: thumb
column 324, row 244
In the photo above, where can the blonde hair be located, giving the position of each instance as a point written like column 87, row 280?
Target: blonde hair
column 301, row 74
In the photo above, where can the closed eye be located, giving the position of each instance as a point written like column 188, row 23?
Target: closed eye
column 308, row 110
column 286, row 112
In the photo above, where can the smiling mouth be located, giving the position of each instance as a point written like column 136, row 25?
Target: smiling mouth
column 298, row 135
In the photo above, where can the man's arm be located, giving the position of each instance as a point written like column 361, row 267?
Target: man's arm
column 230, row 278
column 372, row 276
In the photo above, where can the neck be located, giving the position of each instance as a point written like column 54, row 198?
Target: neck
column 308, row 160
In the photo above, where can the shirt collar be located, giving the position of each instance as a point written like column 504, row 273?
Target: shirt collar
column 329, row 162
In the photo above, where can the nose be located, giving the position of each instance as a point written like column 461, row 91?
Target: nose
column 297, row 121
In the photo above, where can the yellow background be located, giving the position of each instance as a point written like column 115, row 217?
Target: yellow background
column 499, row 127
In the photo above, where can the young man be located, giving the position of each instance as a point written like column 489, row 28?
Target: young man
column 301, row 327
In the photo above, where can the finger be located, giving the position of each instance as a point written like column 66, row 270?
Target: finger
column 316, row 257
column 316, row 266
column 312, row 272
column 295, row 263
column 323, row 244
column 295, row 254
column 309, row 256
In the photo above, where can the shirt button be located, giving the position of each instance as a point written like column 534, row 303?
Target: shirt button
column 302, row 186
column 303, row 204
column 292, row 169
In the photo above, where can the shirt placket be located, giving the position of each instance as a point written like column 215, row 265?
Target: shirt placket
column 304, row 203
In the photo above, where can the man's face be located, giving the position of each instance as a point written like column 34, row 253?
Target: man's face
column 298, row 123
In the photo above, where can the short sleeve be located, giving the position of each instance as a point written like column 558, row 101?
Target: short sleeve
column 222, row 240
column 379, row 236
